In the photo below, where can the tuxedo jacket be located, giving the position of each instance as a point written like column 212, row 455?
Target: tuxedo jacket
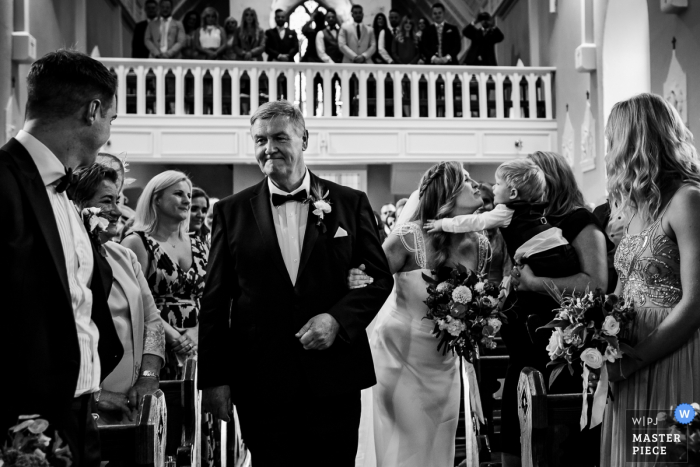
column 275, row 46
column 43, row 357
column 251, row 311
column 352, row 47
column 451, row 43
column 176, row 37
column 482, row 51
column 138, row 42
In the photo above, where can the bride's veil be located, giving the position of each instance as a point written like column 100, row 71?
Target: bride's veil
column 409, row 209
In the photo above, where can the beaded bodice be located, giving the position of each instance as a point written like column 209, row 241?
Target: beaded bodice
column 648, row 264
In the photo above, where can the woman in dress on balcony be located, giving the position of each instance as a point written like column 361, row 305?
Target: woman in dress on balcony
column 210, row 39
column 383, row 39
column 231, row 29
column 251, row 38
column 191, row 25
column 404, row 49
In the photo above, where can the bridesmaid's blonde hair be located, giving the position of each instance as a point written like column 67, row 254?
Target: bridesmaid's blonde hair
column 146, row 218
column 649, row 149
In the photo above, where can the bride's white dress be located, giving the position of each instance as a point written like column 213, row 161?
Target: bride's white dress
column 410, row 417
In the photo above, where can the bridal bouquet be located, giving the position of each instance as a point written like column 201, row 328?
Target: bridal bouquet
column 586, row 329
column 464, row 307
column 29, row 445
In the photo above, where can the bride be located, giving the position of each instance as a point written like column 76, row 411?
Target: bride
column 410, row 417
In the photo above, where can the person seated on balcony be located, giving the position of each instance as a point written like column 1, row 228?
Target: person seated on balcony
column 484, row 36
column 441, row 41
column 191, row 25
column 138, row 43
column 251, row 38
column 231, row 29
column 281, row 43
column 404, row 48
column 327, row 40
column 356, row 40
column 134, row 312
column 311, row 31
column 210, row 39
column 383, row 37
column 165, row 36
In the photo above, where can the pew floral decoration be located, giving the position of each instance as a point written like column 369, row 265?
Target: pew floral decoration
column 464, row 308
column 95, row 224
column 587, row 330
column 30, row 446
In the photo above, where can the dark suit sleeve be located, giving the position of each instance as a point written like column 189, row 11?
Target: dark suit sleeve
column 469, row 31
column 427, row 48
column 495, row 35
column 220, row 295
column 269, row 44
column 359, row 306
column 455, row 44
column 295, row 44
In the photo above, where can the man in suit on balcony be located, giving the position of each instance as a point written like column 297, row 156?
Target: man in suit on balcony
column 356, row 40
column 281, row 43
column 138, row 42
column 165, row 36
column 441, row 41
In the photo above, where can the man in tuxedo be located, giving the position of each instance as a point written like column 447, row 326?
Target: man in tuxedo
column 484, row 35
column 441, row 41
column 280, row 334
column 138, row 41
column 165, row 36
column 54, row 283
column 327, row 46
column 281, row 43
column 356, row 40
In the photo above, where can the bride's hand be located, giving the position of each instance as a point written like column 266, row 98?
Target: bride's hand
column 357, row 278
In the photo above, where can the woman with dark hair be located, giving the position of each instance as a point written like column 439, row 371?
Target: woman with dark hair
column 383, row 39
column 415, row 404
column 422, row 26
column 198, row 213
column 135, row 316
column 191, row 24
column 310, row 30
column 251, row 37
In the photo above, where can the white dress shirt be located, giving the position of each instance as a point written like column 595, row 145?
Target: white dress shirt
column 290, row 225
column 321, row 45
column 381, row 46
column 79, row 260
column 281, row 31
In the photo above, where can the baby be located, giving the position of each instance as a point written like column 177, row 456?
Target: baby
column 519, row 213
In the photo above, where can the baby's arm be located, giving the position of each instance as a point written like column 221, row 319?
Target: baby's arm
column 498, row 217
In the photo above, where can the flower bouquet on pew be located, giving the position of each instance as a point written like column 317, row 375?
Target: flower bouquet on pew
column 587, row 330
column 29, row 446
column 464, row 307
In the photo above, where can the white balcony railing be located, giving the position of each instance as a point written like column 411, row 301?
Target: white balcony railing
column 219, row 88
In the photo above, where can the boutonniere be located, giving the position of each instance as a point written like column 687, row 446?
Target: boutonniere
column 321, row 204
column 95, row 224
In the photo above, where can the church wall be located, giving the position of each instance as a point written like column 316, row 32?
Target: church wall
column 516, row 43
column 104, row 29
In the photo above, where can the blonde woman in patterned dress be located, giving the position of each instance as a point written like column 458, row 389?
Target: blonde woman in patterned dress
column 654, row 179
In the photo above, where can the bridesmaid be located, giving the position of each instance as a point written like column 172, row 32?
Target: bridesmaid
column 654, row 178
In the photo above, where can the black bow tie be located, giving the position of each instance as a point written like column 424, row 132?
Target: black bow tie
column 279, row 200
column 66, row 181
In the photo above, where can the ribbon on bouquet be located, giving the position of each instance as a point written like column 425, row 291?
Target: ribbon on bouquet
column 472, row 404
column 600, row 398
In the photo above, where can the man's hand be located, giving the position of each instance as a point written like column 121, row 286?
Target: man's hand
column 433, row 225
column 248, row 55
column 283, row 58
column 115, row 402
column 358, row 59
column 217, row 401
column 319, row 332
column 358, row 279
column 143, row 386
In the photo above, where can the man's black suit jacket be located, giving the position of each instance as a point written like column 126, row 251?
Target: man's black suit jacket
column 138, row 41
column 275, row 46
column 482, row 51
column 42, row 357
column 451, row 43
column 248, row 283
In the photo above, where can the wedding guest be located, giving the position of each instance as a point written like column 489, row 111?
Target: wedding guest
column 174, row 263
column 210, row 39
column 356, row 40
column 383, row 38
column 131, row 304
column 654, row 180
column 165, row 36
column 484, row 35
column 54, row 283
column 251, row 38
column 422, row 26
column 380, row 227
column 310, row 31
column 191, row 24
column 198, row 213
column 394, row 22
column 326, row 40
column 281, row 43
column 210, row 213
column 231, row 29
column 440, row 42
column 404, row 48
column 138, row 44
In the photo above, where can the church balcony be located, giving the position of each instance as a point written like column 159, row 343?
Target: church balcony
column 194, row 111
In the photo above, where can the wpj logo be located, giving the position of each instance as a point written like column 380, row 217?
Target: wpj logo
column 651, row 437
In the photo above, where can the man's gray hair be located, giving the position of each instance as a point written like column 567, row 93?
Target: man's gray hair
column 281, row 108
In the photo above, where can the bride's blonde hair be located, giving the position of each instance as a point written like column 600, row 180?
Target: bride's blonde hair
column 648, row 149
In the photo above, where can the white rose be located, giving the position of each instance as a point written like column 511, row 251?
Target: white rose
column 592, row 358
column 455, row 326
column 495, row 323
column 554, row 348
column 322, row 208
column 462, row 295
column 444, row 287
column 479, row 287
column 611, row 326
column 611, row 354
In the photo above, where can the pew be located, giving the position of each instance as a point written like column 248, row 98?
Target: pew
column 182, row 399
column 141, row 443
column 547, row 422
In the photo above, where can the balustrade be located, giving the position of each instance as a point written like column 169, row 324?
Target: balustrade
column 195, row 87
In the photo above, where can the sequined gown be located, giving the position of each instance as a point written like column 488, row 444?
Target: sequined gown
column 648, row 265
